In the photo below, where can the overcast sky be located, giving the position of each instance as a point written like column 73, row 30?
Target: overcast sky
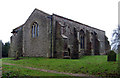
column 101, row 14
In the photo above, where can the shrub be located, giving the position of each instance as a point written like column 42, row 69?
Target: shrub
column 111, row 56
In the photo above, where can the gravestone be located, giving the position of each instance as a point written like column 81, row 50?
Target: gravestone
column 111, row 56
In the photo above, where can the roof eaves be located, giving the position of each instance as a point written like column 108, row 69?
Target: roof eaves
column 76, row 22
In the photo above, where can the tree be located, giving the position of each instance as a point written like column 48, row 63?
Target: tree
column 5, row 49
column 115, row 39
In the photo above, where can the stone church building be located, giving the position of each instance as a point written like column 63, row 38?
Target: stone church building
column 54, row 36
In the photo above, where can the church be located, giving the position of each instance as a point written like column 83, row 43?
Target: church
column 54, row 36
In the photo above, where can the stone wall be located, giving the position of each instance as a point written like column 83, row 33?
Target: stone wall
column 107, row 45
column 98, row 36
column 58, row 37
column 58, row 42
column 16, row 43
column 38, row 46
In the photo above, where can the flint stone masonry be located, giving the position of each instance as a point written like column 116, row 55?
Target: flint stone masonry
column 55, row 36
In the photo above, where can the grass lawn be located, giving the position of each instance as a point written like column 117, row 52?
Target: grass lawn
column 0, row 62
column 94, row 65
column 9, row 70
column 0, row 67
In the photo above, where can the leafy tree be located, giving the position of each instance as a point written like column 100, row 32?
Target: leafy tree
column 115, row 39
column 5, row 49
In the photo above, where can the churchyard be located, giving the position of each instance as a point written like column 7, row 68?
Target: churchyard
column 0, row 67
column 88, row 65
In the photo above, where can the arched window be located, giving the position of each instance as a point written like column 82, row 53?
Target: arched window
column 82, row 39
column 32, row 31
column 35, row 30
column 82, row 42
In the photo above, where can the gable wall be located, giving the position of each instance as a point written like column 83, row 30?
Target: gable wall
column 38, row 46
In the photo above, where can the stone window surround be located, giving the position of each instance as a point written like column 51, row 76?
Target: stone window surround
column 81, row 40
column 35, row 30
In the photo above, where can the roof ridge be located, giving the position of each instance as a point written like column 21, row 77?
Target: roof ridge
column 77, row 22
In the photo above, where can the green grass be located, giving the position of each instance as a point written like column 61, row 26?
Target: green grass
column 94, row 65
column 9, row 71
column 0, row 62
column 0, row 66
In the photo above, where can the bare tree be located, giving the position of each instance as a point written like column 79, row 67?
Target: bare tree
column 115, row 39
column 119, row 39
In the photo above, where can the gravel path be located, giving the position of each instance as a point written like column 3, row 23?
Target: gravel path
column 52, row 71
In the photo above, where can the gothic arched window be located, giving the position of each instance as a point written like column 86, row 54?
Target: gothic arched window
column 32, row 31
column 35, row 30
column 82, row 39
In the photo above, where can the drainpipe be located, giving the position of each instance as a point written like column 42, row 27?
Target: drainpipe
column 51, row 20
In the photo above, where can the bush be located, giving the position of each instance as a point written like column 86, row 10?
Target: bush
column 111, row 56
column 5, row 49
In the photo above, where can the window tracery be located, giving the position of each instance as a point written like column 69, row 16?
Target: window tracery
column 35, row 30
